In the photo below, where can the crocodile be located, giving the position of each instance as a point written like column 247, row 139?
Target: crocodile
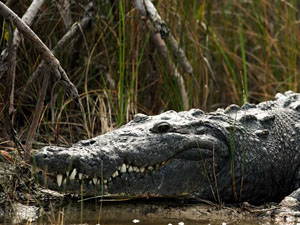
column 248, row 153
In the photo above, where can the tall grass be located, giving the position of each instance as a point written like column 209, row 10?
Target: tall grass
column 240, row 51
column 122, row 65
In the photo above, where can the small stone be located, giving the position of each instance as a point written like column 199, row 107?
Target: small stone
column 136, row 221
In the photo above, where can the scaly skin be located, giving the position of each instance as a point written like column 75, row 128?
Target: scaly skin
column 248, row 153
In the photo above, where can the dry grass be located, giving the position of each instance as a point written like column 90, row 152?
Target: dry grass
column 239, row 50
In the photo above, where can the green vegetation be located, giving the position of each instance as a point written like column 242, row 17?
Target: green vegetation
column 239, row 50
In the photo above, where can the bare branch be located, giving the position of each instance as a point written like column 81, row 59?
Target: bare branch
column 147, row 9
column 159, row 32
column 46, row 54
column 163, row 50
column 73, row 31
column 43, row 70
column 180, row 55
column 27, row 18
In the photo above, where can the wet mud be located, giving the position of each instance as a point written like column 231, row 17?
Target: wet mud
column 158, row 212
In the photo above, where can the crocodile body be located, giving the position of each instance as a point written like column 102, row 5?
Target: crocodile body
column 249, row 153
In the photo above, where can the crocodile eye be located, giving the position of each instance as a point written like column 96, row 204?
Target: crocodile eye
column 162, row 127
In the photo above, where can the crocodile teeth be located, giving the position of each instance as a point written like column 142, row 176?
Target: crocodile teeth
column 73, row 174
column 120, row 169
column 150, row 168
column 59, row 178
column 123, row 168
column 95, row 180
column 115, row 174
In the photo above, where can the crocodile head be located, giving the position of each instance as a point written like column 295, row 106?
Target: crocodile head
column 168, row 155
column 248, row 153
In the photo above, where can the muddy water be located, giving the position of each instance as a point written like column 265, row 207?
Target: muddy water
column 155, row 213
column 125, row 213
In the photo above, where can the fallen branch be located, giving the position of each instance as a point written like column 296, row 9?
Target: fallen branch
column 46, row 54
